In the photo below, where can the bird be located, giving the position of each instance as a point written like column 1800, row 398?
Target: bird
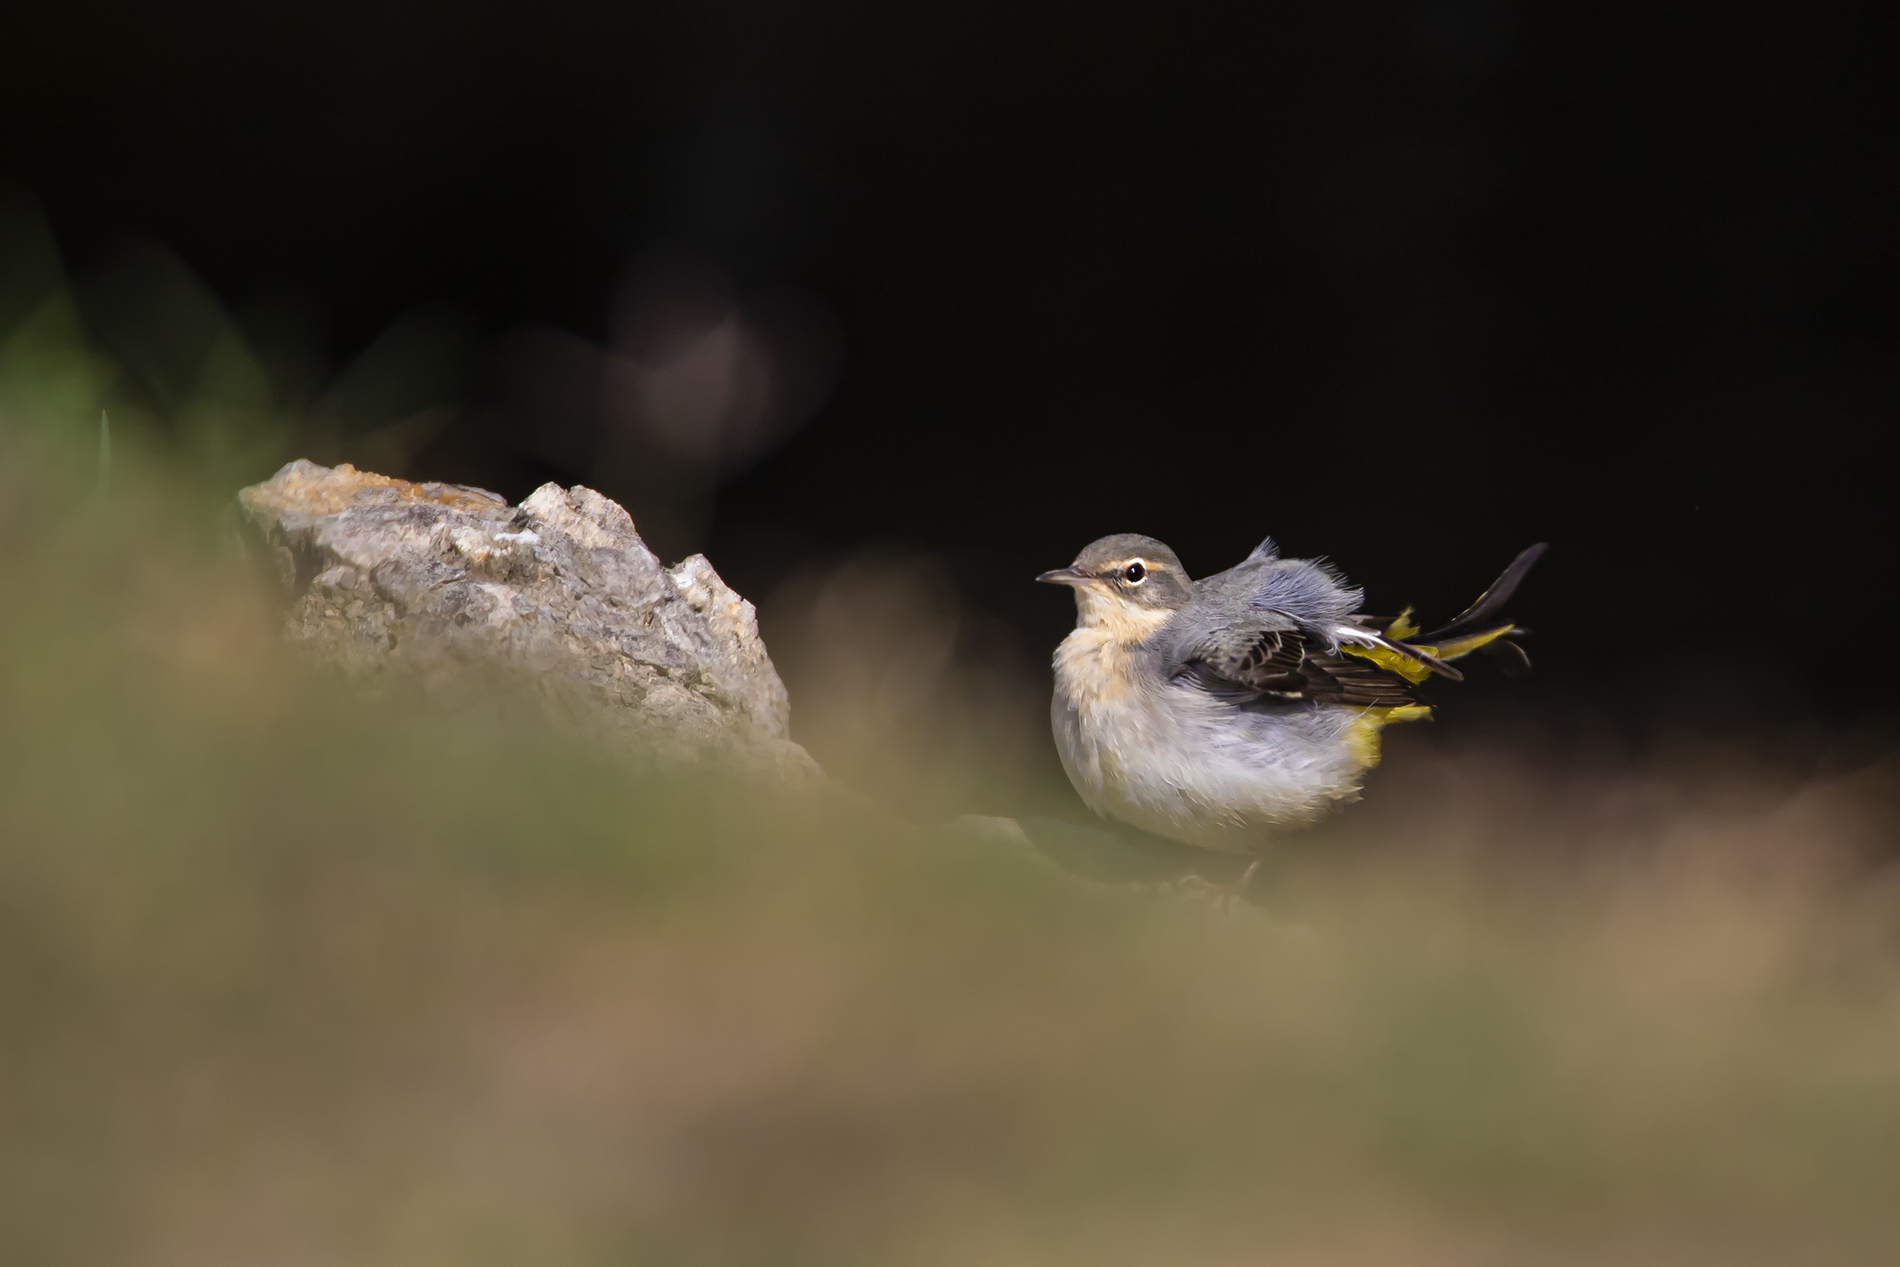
column 1222, row 712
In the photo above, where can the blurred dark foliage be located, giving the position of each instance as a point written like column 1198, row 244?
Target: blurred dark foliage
column 1408, row 284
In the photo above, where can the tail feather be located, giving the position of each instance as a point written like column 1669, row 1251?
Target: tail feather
column 1407, row 659
column 1414, row 656
column 1454, row 648
column 1488, row 602
column 1511, row 658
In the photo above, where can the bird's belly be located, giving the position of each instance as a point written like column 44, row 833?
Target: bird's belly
column 1204, row 771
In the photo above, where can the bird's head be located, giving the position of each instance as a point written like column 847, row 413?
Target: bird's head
column 1126, row 578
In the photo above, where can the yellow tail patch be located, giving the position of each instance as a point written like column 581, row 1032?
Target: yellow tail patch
column 1363, row 737
column 1391, row 661
column 1465, row 646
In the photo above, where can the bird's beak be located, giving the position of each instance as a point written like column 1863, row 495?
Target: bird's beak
column 1064, row 576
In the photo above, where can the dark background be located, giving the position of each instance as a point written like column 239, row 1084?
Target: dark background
column 1410, row 285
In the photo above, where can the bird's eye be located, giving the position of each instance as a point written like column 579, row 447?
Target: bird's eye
column 1134, row 573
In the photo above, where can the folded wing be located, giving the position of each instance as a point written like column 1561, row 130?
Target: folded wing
column 1253, row 660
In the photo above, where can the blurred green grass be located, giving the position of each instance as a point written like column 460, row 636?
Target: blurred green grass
column 290, row 975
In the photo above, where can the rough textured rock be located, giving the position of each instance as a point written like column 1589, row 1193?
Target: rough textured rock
column 443, row 580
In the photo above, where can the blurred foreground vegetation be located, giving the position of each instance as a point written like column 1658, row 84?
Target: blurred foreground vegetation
column 289, row 975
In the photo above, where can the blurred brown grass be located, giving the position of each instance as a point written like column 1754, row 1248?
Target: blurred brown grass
column 292, row 976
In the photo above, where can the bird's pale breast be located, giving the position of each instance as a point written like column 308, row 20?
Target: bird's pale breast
column 1169, row 758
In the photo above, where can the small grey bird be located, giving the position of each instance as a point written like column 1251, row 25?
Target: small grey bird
column 1216, row 711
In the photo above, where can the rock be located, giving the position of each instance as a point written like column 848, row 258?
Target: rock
column 448, row 582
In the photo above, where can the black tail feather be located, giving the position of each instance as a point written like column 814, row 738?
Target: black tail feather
column 1489, row 601
column 1512, row 662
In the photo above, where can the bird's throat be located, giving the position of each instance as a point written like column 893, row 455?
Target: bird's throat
column 1095, row 663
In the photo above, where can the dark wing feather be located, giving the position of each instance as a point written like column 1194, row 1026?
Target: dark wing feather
column 1244, row 661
